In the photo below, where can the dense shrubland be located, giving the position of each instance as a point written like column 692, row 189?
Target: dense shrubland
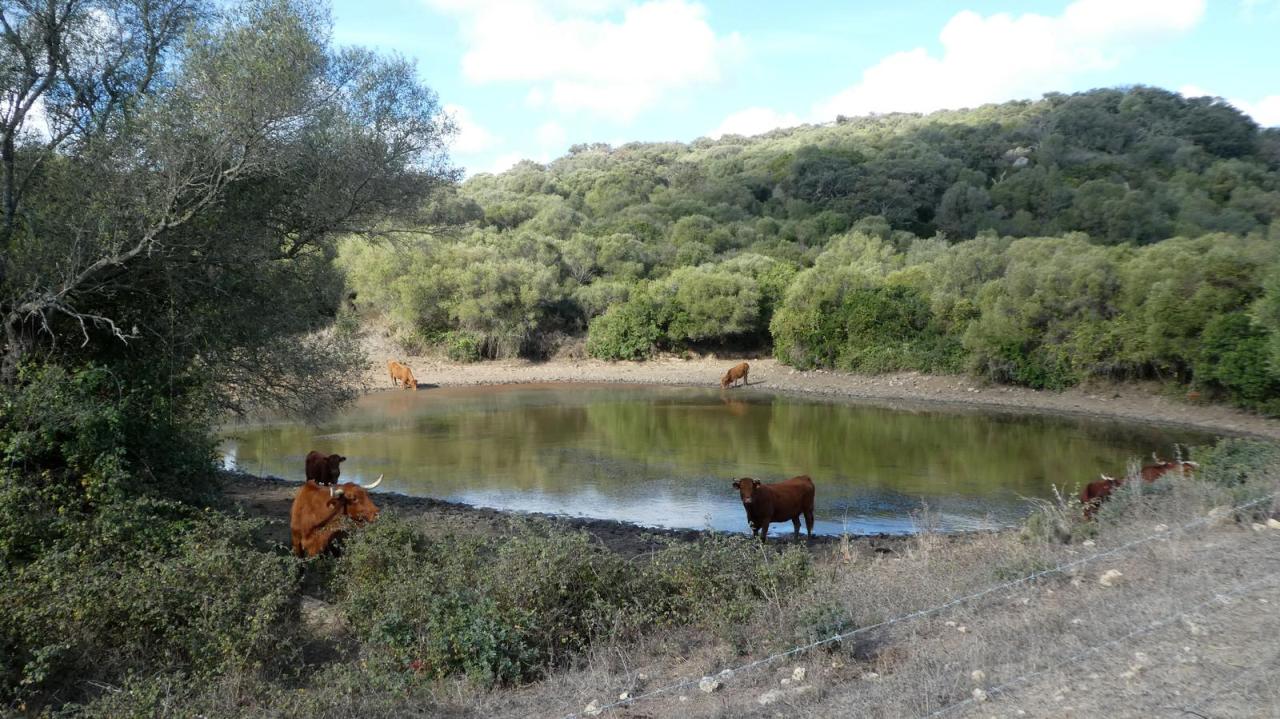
column 1123, row 233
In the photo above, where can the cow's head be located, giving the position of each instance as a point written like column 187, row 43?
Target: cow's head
column 332, row 461
column 746, row 486
column 724, row 381
column 355, row 499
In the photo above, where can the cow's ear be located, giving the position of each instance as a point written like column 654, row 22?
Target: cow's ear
column 755, row 483
column 341, row 458
column 737, row 483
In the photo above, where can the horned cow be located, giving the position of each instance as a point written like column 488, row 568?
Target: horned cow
column 321, row 515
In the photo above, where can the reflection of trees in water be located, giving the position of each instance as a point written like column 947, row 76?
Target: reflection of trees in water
column 611, row 438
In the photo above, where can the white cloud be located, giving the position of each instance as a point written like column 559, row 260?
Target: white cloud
column 1264, row 111
column 505, row 162
column 471, row 137
column 581, row 55
column 754, row 121
column 1000, row 57
column 550, row 135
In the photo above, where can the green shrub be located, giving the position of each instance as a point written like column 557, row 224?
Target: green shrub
column 1234, row 461
column 103, row 610
column 627, row 331
column 1234, row 357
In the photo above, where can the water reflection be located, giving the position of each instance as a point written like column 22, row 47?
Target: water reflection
column 665, row 456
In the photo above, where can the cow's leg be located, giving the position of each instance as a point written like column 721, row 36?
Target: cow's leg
column 764, row 530
column 296, row 538
column 795, row 521
column 808, row 521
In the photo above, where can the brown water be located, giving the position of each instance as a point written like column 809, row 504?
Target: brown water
column 665, row 456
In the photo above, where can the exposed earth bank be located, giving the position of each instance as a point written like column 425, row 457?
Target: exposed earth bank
column 1136, row 401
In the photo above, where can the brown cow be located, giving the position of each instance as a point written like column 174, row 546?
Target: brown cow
column 735, row 373
column 320, row 515
column 1095, row 493
column 1152, row 472
column 401, row 375
column 777, row 502
column 323, row 468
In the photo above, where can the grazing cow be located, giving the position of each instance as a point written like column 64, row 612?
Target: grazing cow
column 323, row 468
column 401, row 375
column 735, row 373
column 320, row 515
column 778, row 502
column 1095, row 493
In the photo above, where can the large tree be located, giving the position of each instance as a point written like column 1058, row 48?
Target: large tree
column 175, row 176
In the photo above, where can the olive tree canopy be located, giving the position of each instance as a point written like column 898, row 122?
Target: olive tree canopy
column 176, row 174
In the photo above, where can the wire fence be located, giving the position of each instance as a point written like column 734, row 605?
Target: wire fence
column 1217, row 597
column 922, row 613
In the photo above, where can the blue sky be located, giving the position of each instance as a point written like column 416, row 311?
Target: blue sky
column 528, row 78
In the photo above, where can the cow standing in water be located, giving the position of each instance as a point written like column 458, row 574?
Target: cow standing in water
column 323, row 468
column 735, row 373
column 320, row 515
column 777, row 502
column 401, row 375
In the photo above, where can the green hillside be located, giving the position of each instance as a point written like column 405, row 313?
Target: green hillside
column 1125, row 233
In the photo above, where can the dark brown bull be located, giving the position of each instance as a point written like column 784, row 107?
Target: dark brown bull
column 321, row 515
column 735, row 373
column 323, row 468
column 778, row 502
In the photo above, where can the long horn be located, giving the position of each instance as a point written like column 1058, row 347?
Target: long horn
column 335, row 491
column 376, row 482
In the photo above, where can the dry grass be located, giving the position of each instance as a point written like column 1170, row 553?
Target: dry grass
column 1016, row 636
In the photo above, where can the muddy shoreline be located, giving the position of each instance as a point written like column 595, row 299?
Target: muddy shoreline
column 271, row 497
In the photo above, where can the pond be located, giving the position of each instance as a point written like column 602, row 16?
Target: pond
column 666, row 456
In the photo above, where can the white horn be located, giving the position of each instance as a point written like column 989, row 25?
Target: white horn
column 335, row 491
column 376, row 482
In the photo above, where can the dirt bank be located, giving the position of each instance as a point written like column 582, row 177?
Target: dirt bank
column 1135, row 401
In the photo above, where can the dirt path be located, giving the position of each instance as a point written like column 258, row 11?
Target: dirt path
column 1136, row 401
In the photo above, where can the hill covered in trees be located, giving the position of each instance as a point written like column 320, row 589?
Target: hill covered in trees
column 1119, row 232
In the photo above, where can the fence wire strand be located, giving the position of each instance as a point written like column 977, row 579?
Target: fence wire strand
column 919, row 614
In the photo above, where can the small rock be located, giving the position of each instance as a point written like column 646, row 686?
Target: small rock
column 1160, row 528
column 797, row 674
column 726, row 675
column 979, row 695
column 1257, row 527
column 684, row 698
column 624, row 696
column 769, row 697
column 1273, row 523
column 709, row 684
column 950, row 623
column 642, row 677
column 870, row 676
column 1088, row 543
column 786, row 681
column 978, row 676
column 593, row 709
column 962, row 629
column 1110, row 578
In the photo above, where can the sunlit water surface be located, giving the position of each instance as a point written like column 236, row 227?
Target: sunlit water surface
column 665, row 456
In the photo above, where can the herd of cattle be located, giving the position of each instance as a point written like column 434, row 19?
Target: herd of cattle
column 324, row 509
